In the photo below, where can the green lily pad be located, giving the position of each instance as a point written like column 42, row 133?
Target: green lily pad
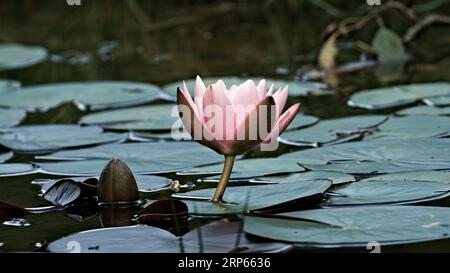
column 295, row 88
column 86, row 95
column 438, row 101
column 414, row 126
column 243, row 198
column 412, row 154
column 142, row 158
column 387, row 192
column 328, row 131
column 359, row 167
column 433, row 176
column 5, row 156
column 16, row 169
column 15, row 56
column 144, row 118
column 398, row 95
column 6, row 85
column 216, row 237
column 302, row 121
column 46, row 138
column 11, row 117
column 336, row 177
column 425, row 110
column 354, row 226
column 247, row 168
column 388, row 45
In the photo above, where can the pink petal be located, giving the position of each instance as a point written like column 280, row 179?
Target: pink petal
column 280, row 98
column 261, row 88
column 246, row 94
column 199, row 92
column 283, row 122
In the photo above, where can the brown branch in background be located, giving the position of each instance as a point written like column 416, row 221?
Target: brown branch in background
column 424, row 23
column 190, row 19
column 137, row 11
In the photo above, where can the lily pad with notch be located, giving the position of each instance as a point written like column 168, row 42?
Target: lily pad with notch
column 249, row 198
column 48, row 138
column 85, row 95
column 216, row 237
column 16, row 56
column 353, row 226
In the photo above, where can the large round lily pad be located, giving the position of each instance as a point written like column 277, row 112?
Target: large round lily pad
column 412, row 154
column 143, row 158
column 247, row 168
column 91, row 95
column 336, row 177
column 15, row 56
column 16, row 169
column 146, row 118
column 354, row 226
column 398, row 95
column 46, row 138
column 11, row 117
column 217, row 237
column 243, row 198
column 425, row 110
column 295, row 88
column 328, row 131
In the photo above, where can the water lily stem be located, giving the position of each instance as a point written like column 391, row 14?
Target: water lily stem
column 227, row 168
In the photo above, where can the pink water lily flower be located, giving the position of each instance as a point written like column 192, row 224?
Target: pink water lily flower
column 234, row 120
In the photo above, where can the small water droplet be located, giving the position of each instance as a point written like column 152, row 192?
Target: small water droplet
column 16, row 222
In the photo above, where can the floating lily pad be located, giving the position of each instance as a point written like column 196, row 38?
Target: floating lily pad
column 145, row 118
column 5, row 156
column 438, row 101
column 46, row 138
column 336, row 177
column 354, row 226
column 433, row 176
column 425, row 110
column 86, row 95
column 295, row 88
column 412, row 154
column 11, row 117
column 243, row 198
column 301, row 121
column 331, row 130
column 16, row 169
column 398, row 95
column 369, row 192
column 247, row 168
column 6, row 85
column 359, row 167
column 142, row 158
column 15, row 56
column 414, row 126
column 217, row 237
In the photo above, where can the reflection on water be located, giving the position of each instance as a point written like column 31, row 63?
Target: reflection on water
column 165, row 41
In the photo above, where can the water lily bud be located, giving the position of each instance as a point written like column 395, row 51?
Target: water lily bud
column 117, row 184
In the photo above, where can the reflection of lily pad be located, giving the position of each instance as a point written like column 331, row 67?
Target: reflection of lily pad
column 92, row 95
column 247, row 168
column 242, row 198
column 216, row 237
column 147, row 118
column 398, row 95
column 416, row 154
column 354, row 226
column 11, row 117
column 15, row 56
column 295, row 88
column 387, row 192
column 45, row 138
column 412, row 127
column 16, row 169
column 328, row 131
column 425, row 110
column 9, row 85
column 336, row 177
column 144, row 158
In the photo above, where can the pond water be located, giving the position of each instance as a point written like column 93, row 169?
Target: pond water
column 177, row 40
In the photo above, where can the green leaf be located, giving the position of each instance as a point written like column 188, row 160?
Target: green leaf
column 336, row 177
column 425, row 110
column 354, row 226
column 243, row 198
column 438, row 101
column 388, row 97
column 16, row 56
column 16, row 169
column 7, row 85
column 11, row 117
column 5, row 156
column 91, row 95
column 388, row 45
column 46, row 138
